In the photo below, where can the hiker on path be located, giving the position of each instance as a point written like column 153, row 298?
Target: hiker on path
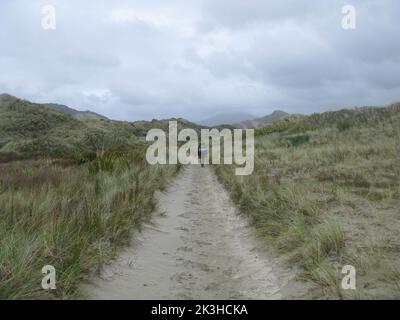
column 201, row 154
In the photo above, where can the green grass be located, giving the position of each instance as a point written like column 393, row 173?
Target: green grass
column 29, row 130
column 72, row 189
column 73, row 218
column 325, row 193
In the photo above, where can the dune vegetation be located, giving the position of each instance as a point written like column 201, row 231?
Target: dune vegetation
column 34, row 131
column 71, row 217
column 71, row 192
column 326, row 193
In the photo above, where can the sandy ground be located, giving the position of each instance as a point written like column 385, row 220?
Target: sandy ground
column 197, row 247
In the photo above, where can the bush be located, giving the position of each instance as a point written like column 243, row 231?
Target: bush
column 343, row 125
column 81, row 157
column 298, row 140
column 9, row 156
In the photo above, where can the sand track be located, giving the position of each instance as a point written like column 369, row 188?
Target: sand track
column 198, row 247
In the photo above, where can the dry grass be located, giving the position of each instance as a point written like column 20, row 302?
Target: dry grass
column 326, row 197
column 73, row 218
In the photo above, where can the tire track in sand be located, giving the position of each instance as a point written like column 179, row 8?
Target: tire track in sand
column 197, row 248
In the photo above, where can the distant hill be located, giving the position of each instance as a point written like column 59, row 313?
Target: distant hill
column 262, row 121
column 341, row 119
column 142, row 127
column 80, row 115
column 225, row 119
column 29, row 130
column 369, row 115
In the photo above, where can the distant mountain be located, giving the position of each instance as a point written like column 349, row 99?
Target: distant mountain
column 225, row 118
column 80, row 115
column 263, row 121
column 141, row 127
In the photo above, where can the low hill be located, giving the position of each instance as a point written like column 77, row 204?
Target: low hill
column 225, row 119
column 325, row 191
column 262, row 121
column 341, row 119
column 356, row 116
column 30, row 130
column 80, row 115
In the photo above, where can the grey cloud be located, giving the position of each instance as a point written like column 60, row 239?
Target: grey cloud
column 150, row 59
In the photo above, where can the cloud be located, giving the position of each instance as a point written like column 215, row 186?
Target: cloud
column 150, row 59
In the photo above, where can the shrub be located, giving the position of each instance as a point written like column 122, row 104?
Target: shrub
column 298, row 140
column 81, row 157
column 343, row 125
column 9, row 156
column 107, row 164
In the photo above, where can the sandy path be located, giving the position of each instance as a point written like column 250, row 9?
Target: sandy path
column 197, row 248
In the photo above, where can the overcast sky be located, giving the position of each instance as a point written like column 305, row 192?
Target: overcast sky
column 144, row 59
